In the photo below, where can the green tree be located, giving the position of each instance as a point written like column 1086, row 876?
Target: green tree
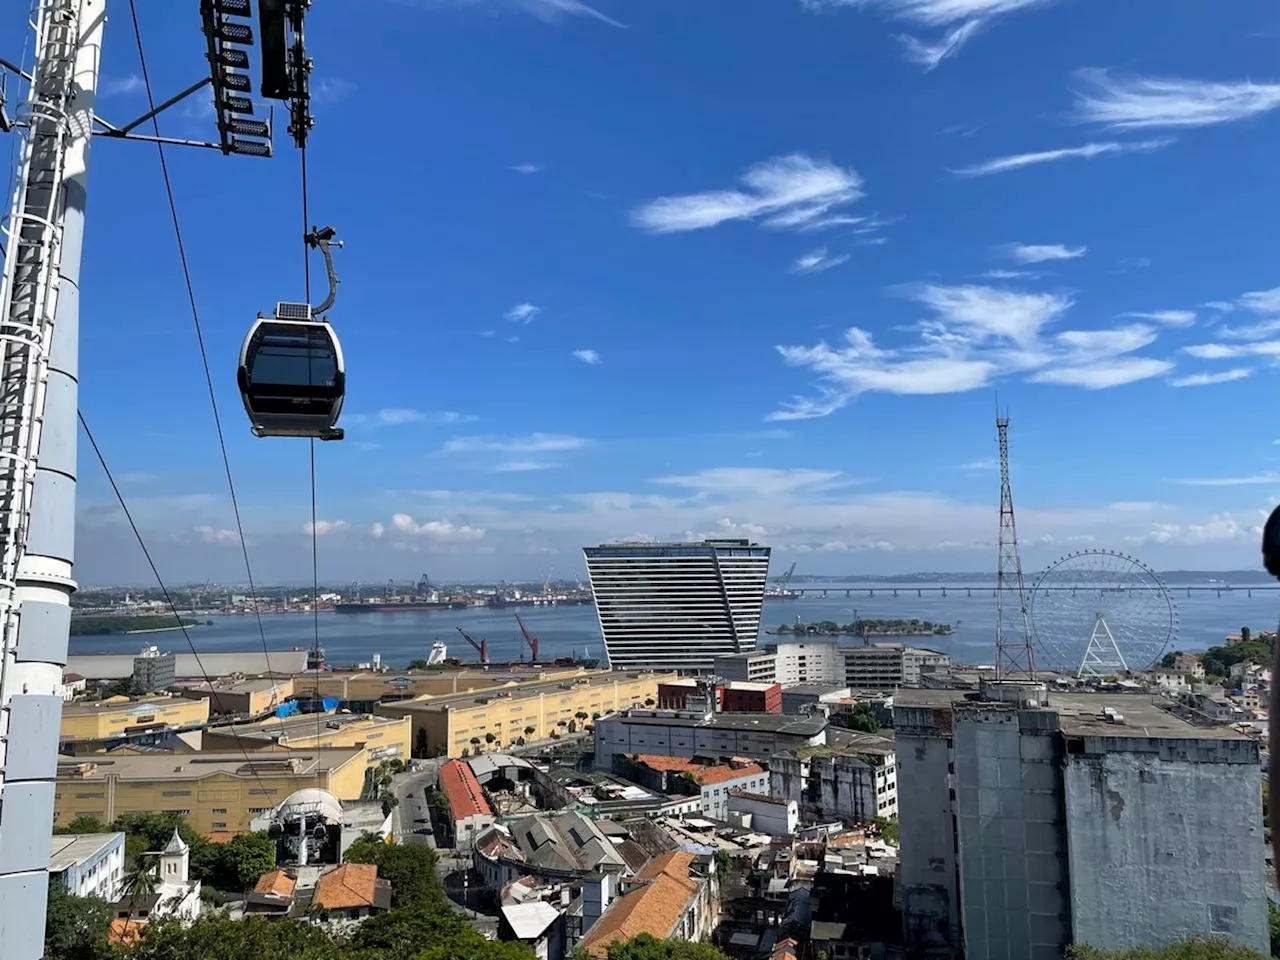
column 84, row 824
column 645, row 946
column 1273, row 925
column 76, row 927
column 242, row 860
column 863, row 717
column 1193, row 949
column 404, row 929
column 218, row 938
column 889, row 830
column 410, row 868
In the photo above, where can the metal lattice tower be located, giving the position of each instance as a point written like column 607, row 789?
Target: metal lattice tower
column 1014, row 656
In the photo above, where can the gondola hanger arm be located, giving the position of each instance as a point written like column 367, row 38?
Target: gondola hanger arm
column 322, row 238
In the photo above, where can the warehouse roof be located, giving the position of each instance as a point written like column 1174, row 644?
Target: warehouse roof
column 138, row 705
column 762, row 722
column 117, row 666
column 305, row 726
column 70, row 849
column 197, row 766
column 522, row 691
column 459, row 784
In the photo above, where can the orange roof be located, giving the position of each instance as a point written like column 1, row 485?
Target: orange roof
column 218, row 836
column 656, row 907
column 668, row 764
column 277, row 883
column 722, row 773
column 699, row 772
column 349, row 886
column 460, row 785
column 125, row 931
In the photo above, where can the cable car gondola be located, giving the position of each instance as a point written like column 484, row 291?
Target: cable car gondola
column 291, row 375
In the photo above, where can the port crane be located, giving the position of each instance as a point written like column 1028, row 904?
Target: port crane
column 481, row 646
column 423, row 588
column 530, row 639
column 784, row 581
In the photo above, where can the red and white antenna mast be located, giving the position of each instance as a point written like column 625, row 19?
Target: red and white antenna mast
column 1014, row 657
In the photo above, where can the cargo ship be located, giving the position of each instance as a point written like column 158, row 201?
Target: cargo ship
column 399, row 606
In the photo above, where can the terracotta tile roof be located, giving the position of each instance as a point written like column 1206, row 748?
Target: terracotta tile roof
column 277, row 883
column 218, row 836
column 655, row 907
column 460, row 785
column 722, row 773
column 349, row 886
column 125, row 931
column 699, row 772
column 668, row 764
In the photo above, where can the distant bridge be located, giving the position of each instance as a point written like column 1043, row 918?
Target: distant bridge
column 907, row 590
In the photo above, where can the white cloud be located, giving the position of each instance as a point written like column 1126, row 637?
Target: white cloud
column 1261, row 301
column 976, row 335
column 1001, row 274
column 1041, row 252
column 548, row 11
column 964, row 18
column 398, row 416
column 442, row 531
column 1225, row 351
column 793, row 191
column 325, row 527
column 1087, row 152
column 816, row 261
column 1221, row 306
column 1209, row 379
column 1170, row 318
column 533, row 443
column 1139, row 103
column 528, row 168
column 115, row 86
column 214, row 535
column 1249, row 480
column 522, row 313
column 1219, row 528
column 589, row 357
column 760, row 481
column 329, row 90
column 524, row 466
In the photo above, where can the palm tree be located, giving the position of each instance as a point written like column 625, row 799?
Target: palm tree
column 139, row 885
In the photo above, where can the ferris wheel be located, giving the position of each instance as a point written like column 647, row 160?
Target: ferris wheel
column 1098, row 613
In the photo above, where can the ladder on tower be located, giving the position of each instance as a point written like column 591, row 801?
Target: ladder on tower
column 31, row 280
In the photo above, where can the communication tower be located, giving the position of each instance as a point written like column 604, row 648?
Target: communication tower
column 1014, row 656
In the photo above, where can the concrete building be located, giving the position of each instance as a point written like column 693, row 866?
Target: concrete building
column 461, row 724
column 852, row 784
column 712, row 782
column 242, row 696
column 887, row 666
column 363, row 690
column 99, row 724
column 350, row 893
column 762, row 813
column 797, row 697
column 213, row 791
column 73, row 685
column 733, row 696
column 753, row 666
column 675, row 897
column 1095, row 819
column 383, row 738
column 153, row 670
column 469, row 811
column 684, row 733
column 88, row 864
column 117, row 666
column 677, row 606
column 808, row 660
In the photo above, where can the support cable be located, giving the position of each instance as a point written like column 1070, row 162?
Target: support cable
column 311, row 445
column 204, row 356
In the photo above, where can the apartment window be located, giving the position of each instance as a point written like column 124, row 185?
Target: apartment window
column 176, row 793
column 94, row 795
column 180, row 813
column 219, row 824
column 217, row 810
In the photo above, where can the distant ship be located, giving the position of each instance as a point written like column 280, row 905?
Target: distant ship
column 398, row 606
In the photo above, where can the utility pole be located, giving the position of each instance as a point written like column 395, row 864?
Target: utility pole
column 1014, row 657
column 39, row 333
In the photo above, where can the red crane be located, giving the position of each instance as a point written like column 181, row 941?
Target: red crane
column 530, row 639
column 482, row 647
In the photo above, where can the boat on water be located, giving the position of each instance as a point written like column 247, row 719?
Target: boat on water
column 398, row 606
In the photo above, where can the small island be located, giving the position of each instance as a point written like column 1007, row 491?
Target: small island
column 114, row 626
column 867, row 628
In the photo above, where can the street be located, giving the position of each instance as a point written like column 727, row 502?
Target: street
column 412, row 812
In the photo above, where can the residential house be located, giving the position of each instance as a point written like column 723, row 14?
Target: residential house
column 350, row 892
column 675, row 897
column 272, row 895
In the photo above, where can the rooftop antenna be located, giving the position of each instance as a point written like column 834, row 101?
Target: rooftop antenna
column 1014, row 656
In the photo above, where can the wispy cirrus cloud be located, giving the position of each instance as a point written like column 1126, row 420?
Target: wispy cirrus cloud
column 788, row 192
column 761, row 481
column 527, row 168
column 589, row 357
column 1248, row 480
column 117, row 86
column 976, row 334
column 398, row 416
column 532, row 443
column 522, row 313
column 1209, row 379
column 816, row 261
column 1041, row 252
column 1143, row 103
column 961, row 19
column 1169, row 318
column 1088, row 151
column 548, row 11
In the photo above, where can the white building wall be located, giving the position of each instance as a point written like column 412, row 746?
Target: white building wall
column 808, row 660
column 777, row 818
column 887, row 788
column 1165, row 842
column 715, row 796
column 99, row 876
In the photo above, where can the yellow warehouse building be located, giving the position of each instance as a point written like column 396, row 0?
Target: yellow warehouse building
column 385, row 738
column 212, row 791
column 524, row 712
column 123, row 717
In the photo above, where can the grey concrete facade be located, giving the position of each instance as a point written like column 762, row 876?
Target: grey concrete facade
column 829, row 784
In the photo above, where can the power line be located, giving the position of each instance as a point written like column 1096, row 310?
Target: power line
column 311, row 449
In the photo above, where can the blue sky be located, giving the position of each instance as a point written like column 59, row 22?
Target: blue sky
column 676, row 267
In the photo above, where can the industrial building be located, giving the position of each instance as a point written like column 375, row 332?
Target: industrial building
column 677, row 606
column 469, row 811
column 188, row 666
column 710, row 782
column 384, row 738
column 219, row 792
column 363, row 690
column 100, row 724
column 88, row 864
column 688, row 733
column 1031, row 821
column 242, row 696
column 732, row 696
column 462, row 724
column 887, row 666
